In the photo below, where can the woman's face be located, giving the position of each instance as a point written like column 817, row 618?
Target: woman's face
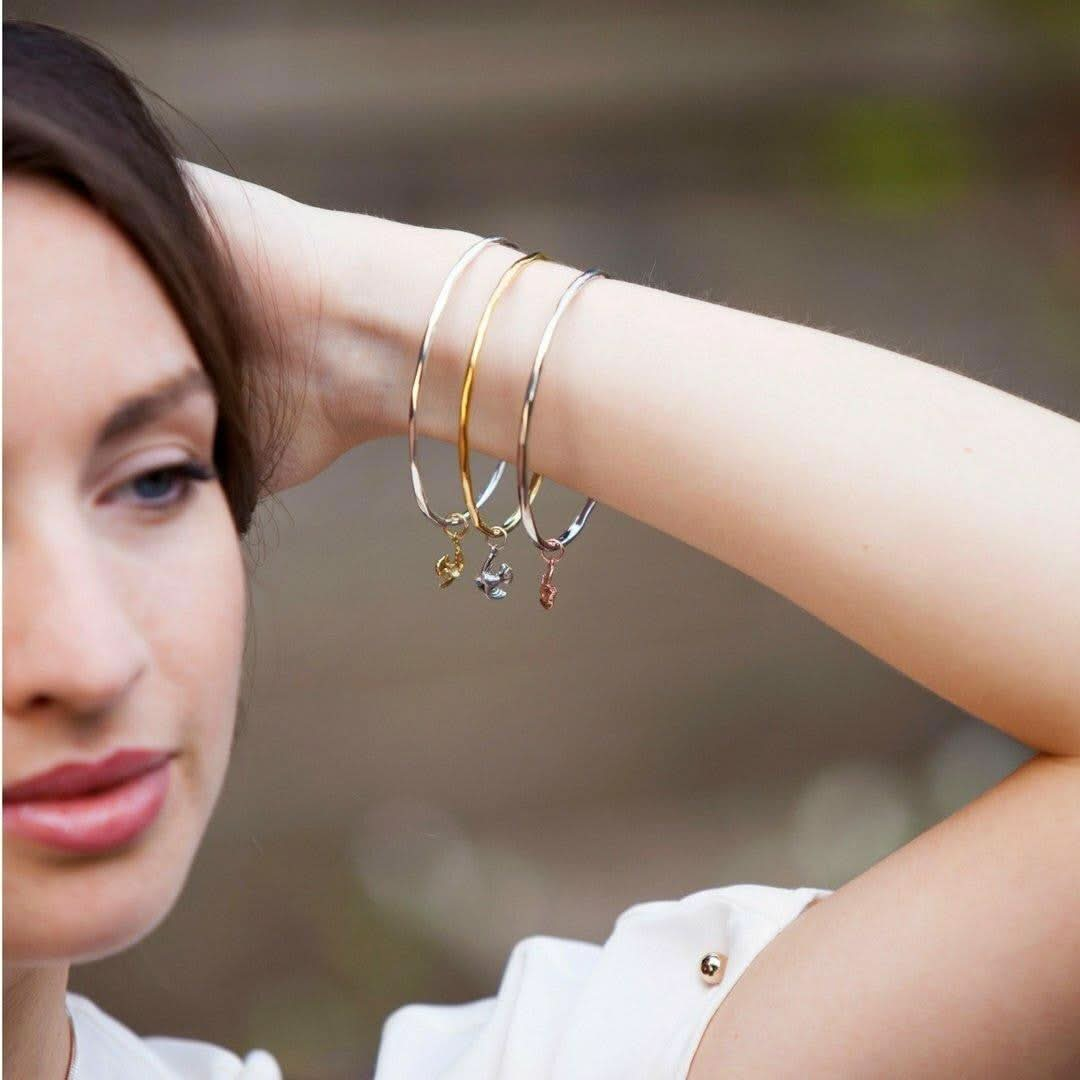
column 124, row 589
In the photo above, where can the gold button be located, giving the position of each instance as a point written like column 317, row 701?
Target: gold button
column 712, row 967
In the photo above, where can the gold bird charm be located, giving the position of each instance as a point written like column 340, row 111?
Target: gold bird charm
column 449, row 567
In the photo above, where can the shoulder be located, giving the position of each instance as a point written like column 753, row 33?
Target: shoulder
column 635, row 1006
column 106, row 1048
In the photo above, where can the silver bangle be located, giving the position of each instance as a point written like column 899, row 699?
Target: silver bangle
column 552, row 549
column 449, row 566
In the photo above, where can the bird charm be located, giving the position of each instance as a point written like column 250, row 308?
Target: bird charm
column 548, row 589
column 493, row 583
column 449, row 567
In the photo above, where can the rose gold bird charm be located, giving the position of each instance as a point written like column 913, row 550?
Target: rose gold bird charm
column 548, row 589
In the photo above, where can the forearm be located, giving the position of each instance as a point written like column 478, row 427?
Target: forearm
column 932, row 519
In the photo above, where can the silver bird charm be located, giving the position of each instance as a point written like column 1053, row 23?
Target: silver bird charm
column 493, row 583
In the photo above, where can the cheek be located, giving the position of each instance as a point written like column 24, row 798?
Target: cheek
column 186, row 589
column 197, row 638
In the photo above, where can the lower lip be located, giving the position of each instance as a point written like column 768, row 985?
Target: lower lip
column 89, row 823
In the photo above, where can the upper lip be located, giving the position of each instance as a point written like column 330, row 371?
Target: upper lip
column 80, row 777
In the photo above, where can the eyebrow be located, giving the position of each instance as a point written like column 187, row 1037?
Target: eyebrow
column 143, row 409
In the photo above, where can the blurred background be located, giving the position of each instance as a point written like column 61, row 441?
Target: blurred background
column 422, row 777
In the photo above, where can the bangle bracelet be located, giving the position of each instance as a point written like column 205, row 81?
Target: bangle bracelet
column 553, row 549
column 492, row 583
column 449, row 566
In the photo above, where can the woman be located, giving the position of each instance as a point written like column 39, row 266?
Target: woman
column 178, row 343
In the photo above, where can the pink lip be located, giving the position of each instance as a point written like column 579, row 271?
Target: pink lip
column 90, row 807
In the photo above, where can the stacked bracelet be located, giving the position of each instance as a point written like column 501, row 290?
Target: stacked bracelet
column 493, row 580
column 449, row 567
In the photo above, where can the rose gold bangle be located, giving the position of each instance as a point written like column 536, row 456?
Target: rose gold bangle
column 552, row 549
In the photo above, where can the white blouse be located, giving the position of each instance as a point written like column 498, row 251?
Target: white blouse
column 634, row 1007
column 107, row 1050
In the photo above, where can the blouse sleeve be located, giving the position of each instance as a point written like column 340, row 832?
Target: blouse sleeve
column 635, row 1007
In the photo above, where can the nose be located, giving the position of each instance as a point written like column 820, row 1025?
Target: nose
column 70, row 644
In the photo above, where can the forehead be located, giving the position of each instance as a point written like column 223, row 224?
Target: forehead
column 85, row 322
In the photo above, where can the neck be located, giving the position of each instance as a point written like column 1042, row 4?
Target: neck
column 37, row 1039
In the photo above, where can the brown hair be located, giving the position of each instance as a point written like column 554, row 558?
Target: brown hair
column 73, row 116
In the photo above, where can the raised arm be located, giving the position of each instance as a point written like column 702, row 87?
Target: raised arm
column 929, row 517
column 932, row 519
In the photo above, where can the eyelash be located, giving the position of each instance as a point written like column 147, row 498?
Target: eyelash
column 190, row 472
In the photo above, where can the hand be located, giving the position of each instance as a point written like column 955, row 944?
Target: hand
column 278, row 248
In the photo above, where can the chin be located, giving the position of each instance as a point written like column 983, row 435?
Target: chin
column 77, row 909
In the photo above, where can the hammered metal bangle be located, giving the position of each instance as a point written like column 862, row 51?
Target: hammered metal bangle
column 553, row 548
column 450, row 566
column 492, row 581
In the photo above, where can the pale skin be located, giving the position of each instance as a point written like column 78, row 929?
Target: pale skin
column 124, row 607
column 930, row 518
column 933, row 520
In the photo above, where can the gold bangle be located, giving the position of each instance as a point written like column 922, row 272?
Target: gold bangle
column 492, row 582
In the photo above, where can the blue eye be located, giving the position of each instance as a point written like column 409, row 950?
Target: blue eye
column 170, row 485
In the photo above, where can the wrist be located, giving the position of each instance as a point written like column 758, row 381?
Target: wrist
column 380, row 280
